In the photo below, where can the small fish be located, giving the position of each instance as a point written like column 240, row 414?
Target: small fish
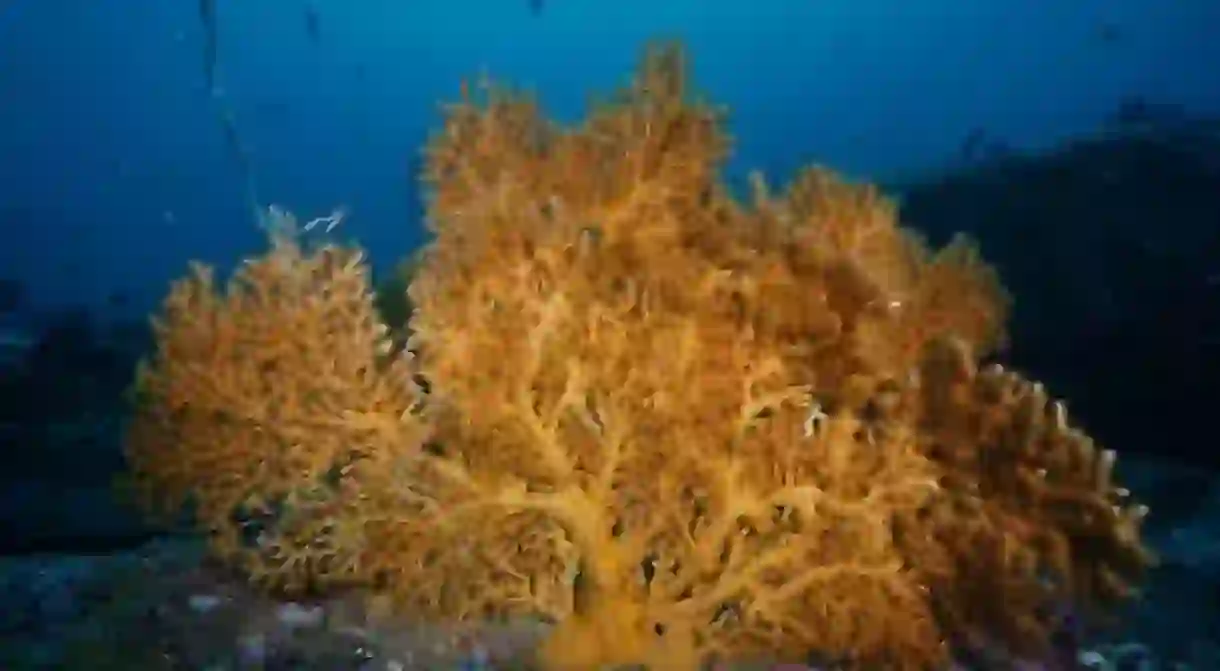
column 1109, row 33
column 980, row 147
column 972, row 144
column 117, row 298
column 536, row 7
column 1137, row 111
column 313, row 24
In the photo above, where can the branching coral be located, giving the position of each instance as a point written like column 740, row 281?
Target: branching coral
column 1030, row 518
column 258, row 399
column 682, row 428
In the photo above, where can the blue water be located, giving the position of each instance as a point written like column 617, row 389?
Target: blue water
column 116, row 170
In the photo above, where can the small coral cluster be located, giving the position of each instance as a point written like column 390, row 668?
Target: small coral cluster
column 681, row 427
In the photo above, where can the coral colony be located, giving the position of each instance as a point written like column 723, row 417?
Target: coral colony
column 680, row 427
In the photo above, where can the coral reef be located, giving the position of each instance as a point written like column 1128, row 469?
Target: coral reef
column 679, row 427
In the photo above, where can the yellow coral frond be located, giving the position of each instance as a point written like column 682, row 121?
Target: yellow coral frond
column 262, row 389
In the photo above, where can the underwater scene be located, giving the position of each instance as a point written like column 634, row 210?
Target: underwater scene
column 565, row 335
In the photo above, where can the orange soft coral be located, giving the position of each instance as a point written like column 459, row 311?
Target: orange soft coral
column 1030, row 518
column 681, row 428
column 260, row 395
column 710, row 417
